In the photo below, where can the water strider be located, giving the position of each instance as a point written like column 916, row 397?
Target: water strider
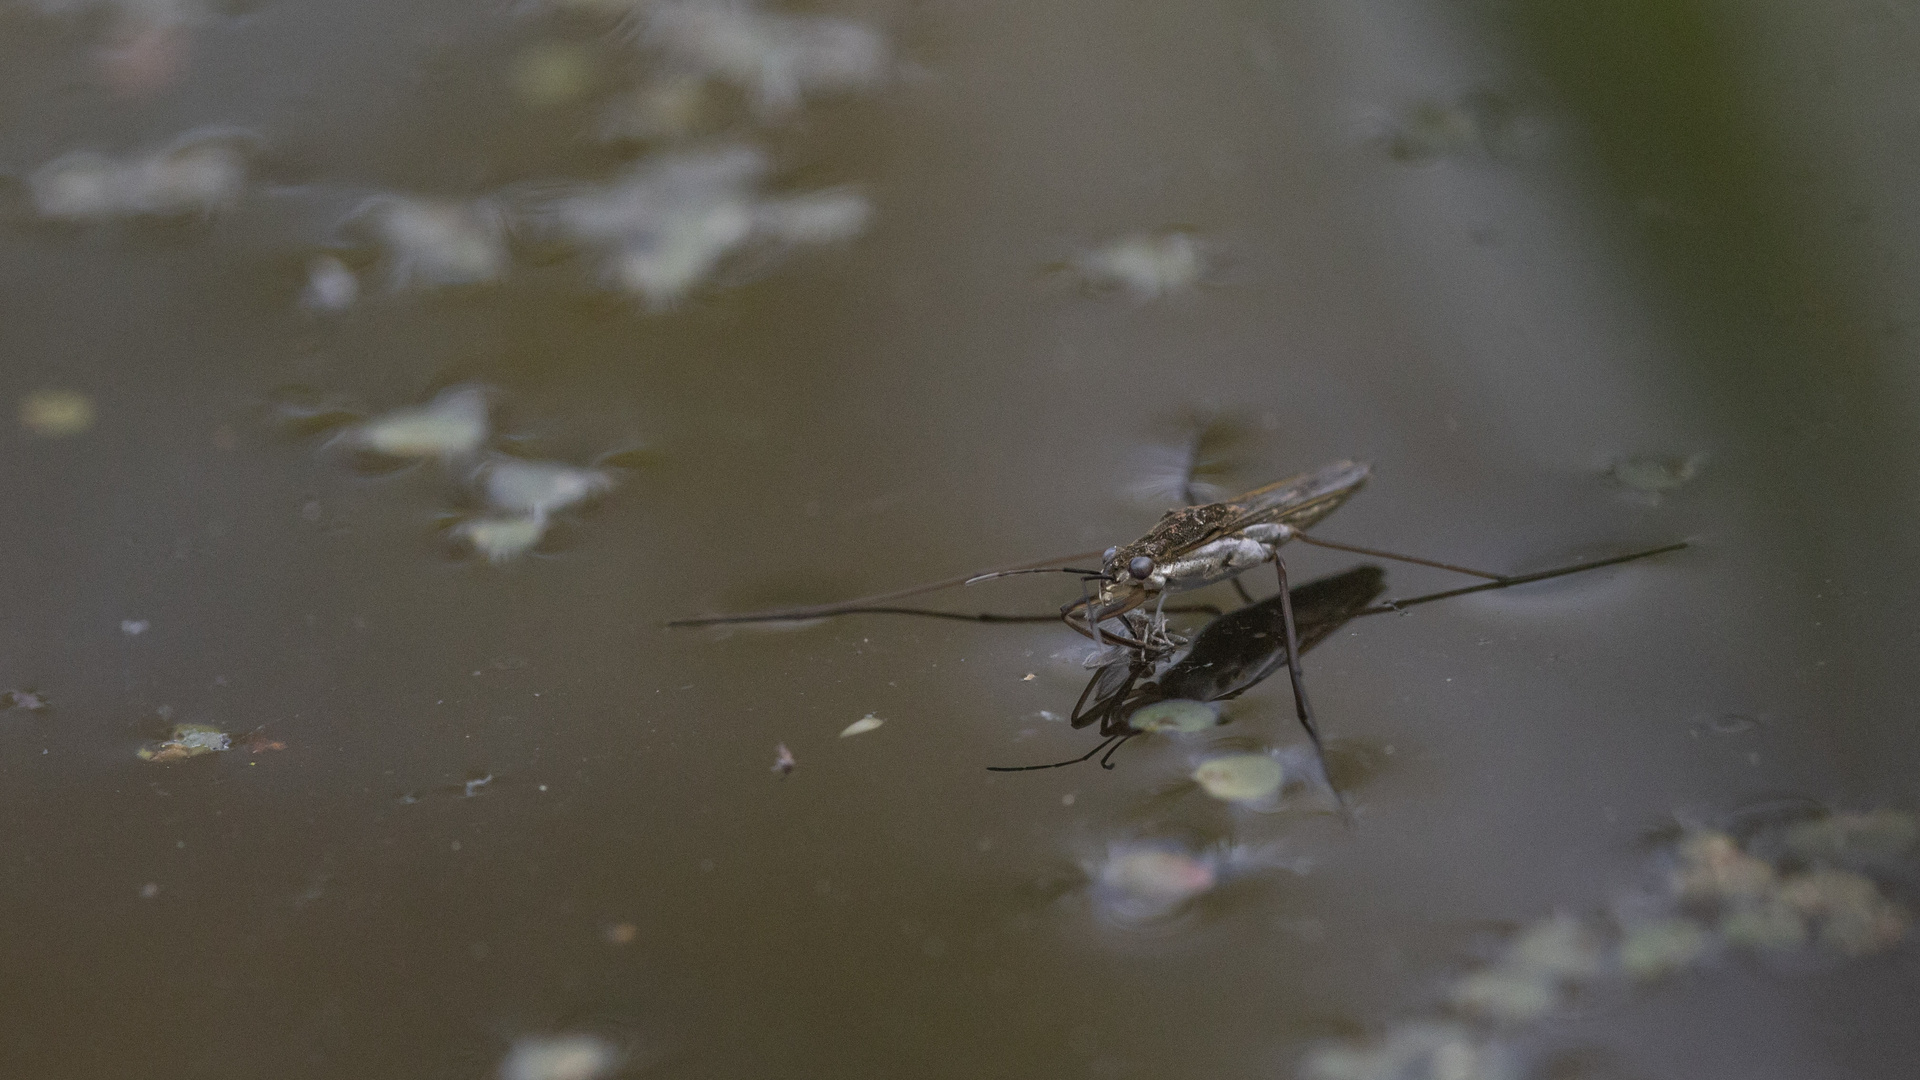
column 1189, row 548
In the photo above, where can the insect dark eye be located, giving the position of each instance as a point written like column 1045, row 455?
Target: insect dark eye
column 1141, row 567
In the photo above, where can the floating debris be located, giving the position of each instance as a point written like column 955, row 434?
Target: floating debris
column 452, row 425
column 1534, row 973
column 331, row 286
column 1870, row 837
column 187, row 741
column 134, row 627
column 502, row 539
column 620, row 934
column 25, row 700
column 1414, row 1051
column 1854, row 918
column 1143, row 882
column 55, row 414
column 1177, row 715
column 254, row 742
column 560, row 1057
column 1240, row 778
column 783, row 762
column 861, row 726
column 537, row 488
column 197, row 175
column 1147, row 880
column 670, row 222
column 1562, row 947
column 1505, row 994
column 1653, row 948
column 1146, row 265
column 777, row 59
column 471, row 786
column 439, row 241
column 822, row 217
column 1768, row 924
column 1712, row 867
column 1651, row 477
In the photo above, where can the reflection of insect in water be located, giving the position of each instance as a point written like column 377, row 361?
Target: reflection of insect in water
column 1236, row 651
column 1189, row 548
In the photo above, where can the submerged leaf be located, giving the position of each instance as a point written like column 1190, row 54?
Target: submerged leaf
column 187, row 741
column 1240, row 777
column 1177, row 714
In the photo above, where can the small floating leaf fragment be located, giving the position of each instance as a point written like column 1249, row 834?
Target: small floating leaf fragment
column 1881, row 834
column 1658, row 947
column 1506, row 994
column 783, row 762
column 560, row 1057
column 538, row 487
column 776, row 58
column 200, row 173
column 1142, row 881
column 1422, row 1049
column 1854, row 918
column 439, row 241
column 187, row 741
column 502, row 539
column 1712, row 867
column 1561, row 946
column 861, row 726
column 1158, row 873
column 27, row 700
column 1653, row 477
column 56, row 413
column 1239, row 777
column 1146, row 265
column 453, row 424
column 818, row 217
column 331, row 286
column 1769, row 924
column 1176, row 714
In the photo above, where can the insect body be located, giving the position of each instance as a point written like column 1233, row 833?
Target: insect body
column 1190, row 548
column 1196, row 546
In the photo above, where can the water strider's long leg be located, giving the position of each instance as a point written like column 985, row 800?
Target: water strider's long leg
column 1102, row 745
column 821, row 611
column 999, row 617
column 1209, row 609
column 1414, row 559
column 1518, row 579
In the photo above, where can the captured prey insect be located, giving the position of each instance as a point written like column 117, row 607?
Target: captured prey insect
column 1189, row 548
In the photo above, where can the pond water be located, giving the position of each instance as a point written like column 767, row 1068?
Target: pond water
column 814, row 309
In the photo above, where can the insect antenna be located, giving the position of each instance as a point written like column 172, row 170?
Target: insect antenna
column 1062, row 764
column 1090, row 575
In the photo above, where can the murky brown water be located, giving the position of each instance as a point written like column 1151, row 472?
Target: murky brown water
column 1495, row 254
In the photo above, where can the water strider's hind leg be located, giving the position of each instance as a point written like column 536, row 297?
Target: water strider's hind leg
column 1414, row 559
column 1301, row 707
